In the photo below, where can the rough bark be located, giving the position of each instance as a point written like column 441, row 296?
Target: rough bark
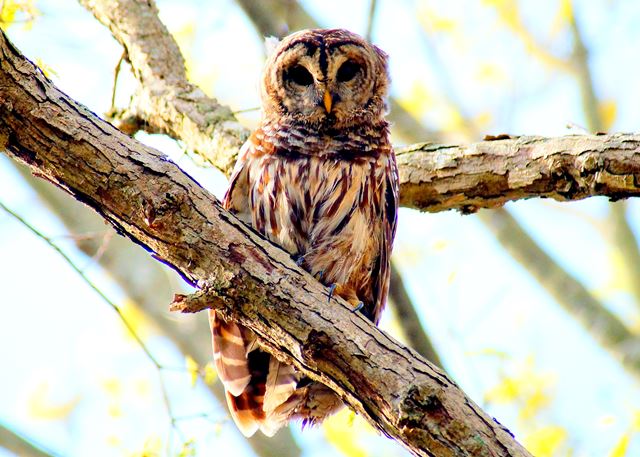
column 166, row 102
column 146, row 284
column 433, row 177
column 150, row 200
column 490, row 173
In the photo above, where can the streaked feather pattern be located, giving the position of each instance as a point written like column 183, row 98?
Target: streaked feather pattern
column 327, row 192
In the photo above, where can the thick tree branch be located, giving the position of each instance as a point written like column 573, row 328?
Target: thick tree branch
column 166, row 100
column 433, row 177
column 150, row 200
column 145, row 283
column 490, row 173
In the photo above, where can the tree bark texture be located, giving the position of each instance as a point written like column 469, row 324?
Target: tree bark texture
column 150, row 200
column 146, row 284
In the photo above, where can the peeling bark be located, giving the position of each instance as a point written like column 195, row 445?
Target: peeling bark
column 151, row 201
column 490, row 173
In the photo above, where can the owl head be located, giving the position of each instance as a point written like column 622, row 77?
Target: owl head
column 325, row 77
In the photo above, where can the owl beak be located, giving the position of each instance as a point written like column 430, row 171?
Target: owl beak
column 328, row 100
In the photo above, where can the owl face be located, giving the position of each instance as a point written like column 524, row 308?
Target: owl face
column 329, row 77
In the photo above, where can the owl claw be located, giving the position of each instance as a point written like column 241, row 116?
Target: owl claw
column 332, row 289
column 358, row 307
column 319, row 275
column 298, row 259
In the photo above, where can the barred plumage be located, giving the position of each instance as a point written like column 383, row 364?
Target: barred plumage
column 318, row 177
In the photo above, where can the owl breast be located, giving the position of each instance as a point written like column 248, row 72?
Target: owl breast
column 320, row 199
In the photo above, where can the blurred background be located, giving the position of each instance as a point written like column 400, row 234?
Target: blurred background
column 530, row 309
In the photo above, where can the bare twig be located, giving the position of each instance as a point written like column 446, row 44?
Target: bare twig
column 159, row 367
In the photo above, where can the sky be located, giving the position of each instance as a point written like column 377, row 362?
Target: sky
column 64, row 352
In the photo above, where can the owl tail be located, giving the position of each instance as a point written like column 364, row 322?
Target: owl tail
column 256, row 384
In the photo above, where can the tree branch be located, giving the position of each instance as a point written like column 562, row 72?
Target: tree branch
column 166, row 100
column 150, row 200
column 603, row 325
column 145, row 283
column 490, row 173
column 412, row 329
column 15, row 443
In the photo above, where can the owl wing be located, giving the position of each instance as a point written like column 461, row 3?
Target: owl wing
column 389, row 217
column 256, row 383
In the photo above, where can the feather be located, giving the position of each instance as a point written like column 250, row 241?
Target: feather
column 229, row 354
column 281, row 383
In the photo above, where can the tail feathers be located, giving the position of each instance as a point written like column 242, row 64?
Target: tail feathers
column 281, row 383
column 246, row 419
column 229, row 354
column 262, row 393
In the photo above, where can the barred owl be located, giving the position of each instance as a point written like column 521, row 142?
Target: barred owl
column 319, row 178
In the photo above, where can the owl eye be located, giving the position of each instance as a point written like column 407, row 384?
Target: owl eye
column 348, row 71
column 299, row 75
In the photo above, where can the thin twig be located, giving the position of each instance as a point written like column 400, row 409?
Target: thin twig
column 371, row 19
column 107, row 300
column 116, row 73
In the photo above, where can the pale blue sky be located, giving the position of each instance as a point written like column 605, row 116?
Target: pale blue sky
column 472, row 297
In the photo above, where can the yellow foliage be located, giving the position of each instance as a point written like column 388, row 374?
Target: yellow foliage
column 418, row 100
column 46, row 69
column 509, row 14
column 525, row 387
column 546, row 441
column 136, row 320
column 193, row 369
column 210, row 374
column 342, row 431
column 621, row 447
column 608, row 110
column 563, row 17
column 152, row 448
column 432, row 21
column 40, row 405
column 635, row 424
column 14, row 11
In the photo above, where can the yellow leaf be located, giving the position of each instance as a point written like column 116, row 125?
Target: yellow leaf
column 152, row 448
column 533, row 403
column 136, row 320
column 193, row 369
column 546, row 441
column 563, row 17
column 14, row 11
column 635, row 424
column 508, row 390
column 621, row 447
column 339, row 430
column 40, row 405
column 210, row 374
column 608, row 112
column 418, row 100
column 46, row 69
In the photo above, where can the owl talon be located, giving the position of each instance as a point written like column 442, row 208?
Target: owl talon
column 332, row 289
column 298, row 259
column 358, row 307
column 319, row 275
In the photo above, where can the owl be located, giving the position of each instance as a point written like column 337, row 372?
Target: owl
column 318, row 177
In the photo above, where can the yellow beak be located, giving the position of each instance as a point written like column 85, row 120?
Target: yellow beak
column 327, row 100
